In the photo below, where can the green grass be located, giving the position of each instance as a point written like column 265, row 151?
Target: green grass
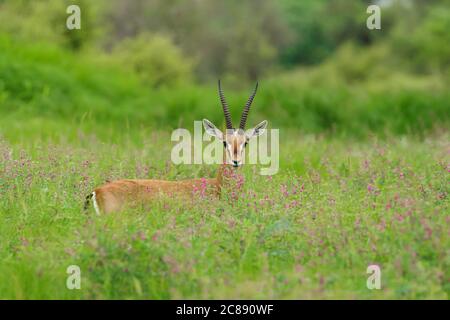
column 355, row 205
column 368, row 163
column 50, row 92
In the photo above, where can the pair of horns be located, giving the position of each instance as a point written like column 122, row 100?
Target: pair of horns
column 227, row 114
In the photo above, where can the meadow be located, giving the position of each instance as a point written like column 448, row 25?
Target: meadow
column 308, row 232
column 363, row 180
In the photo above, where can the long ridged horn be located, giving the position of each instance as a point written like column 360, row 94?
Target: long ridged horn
column 247, row 108
column 226, row 112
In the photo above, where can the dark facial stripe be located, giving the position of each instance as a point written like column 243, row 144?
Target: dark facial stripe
column 235, row 147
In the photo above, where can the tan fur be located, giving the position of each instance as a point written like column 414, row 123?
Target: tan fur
column 236, row 142
column 119, row 194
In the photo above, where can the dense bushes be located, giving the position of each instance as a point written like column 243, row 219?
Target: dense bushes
column 53, row 85
column 236, row 40
column 155, row 59
column 45, row 21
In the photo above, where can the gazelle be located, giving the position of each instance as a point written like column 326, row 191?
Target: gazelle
column 116, row 195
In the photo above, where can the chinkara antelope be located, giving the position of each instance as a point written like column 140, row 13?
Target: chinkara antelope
column 114, row 196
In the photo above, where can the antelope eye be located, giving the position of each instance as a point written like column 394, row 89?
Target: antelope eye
column 225, row 144
column 246, row 143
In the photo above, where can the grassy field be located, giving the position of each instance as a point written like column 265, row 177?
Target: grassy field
column 363, row 180
column 308, row 232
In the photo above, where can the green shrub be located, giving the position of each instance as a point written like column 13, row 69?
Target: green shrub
column 45, row 21
column 43, row 86
column 155, row 59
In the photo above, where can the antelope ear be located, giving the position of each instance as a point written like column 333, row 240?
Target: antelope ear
column 212, row 130
column 256, row 131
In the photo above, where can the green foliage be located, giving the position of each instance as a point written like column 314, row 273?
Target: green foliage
column 236, row 40
column 429, row 47
column 155, row 59
column 364, row 165
column 319, row 27
column 48, row 84
column 308, row 43
column 45, row 21
column 354, row 64
column 308, row 232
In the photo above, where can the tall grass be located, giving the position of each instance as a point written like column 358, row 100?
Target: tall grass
column 363, row 180
column 308, row 232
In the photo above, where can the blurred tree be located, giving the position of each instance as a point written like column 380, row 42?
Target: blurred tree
column 45, row 20
column 155, row 59
column 320, row 26
column 224, row 37
column 355, row 64
column 239, row 40
column 308, row 41
column 422, row 36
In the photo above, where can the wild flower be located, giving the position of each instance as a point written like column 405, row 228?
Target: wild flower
column 399, row 217
column 388, row 205
column 200, row 189
column 173, row 264
column 292, row 204
column 372, row 189
column 427, row 229
column 156, row 235
column 284, row 191
column 382, row 225
column 366, row 164
column 357, row 222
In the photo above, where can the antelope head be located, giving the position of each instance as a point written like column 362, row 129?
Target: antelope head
column 235, row 140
